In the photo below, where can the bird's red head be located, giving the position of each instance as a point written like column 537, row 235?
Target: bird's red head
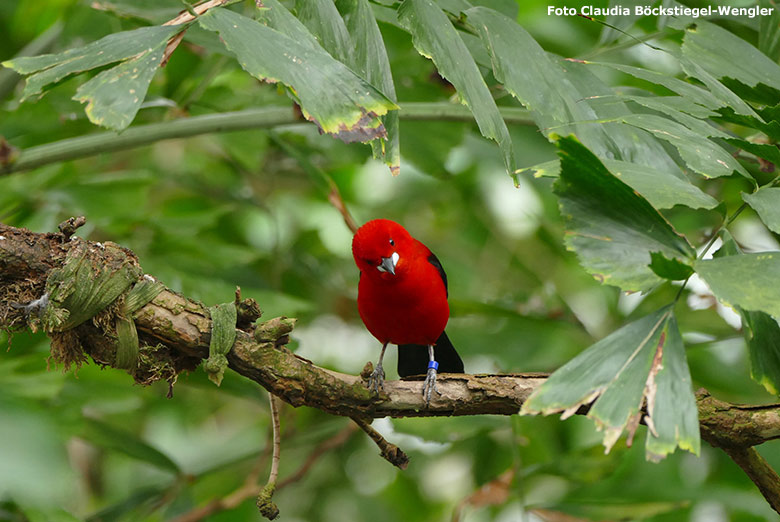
column 378, row 248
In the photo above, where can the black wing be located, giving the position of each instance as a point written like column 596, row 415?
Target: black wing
column 432, row 259
column 413, row 358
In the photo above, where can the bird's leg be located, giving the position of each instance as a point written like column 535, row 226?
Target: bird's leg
column 377, row 380
column 430, row 379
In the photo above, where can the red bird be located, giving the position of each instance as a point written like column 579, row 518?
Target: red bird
column 402, row 299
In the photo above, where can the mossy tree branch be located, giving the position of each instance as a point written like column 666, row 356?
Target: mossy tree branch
column 259, row 353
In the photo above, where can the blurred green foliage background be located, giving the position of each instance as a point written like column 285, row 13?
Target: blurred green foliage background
column 208, row 213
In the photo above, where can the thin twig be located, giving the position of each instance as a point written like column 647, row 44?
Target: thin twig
column 321, row 178
column 251, row 489
column 710, row 242
column 759, row 471
column 390, row 452
column 339, row 439
column 277, row 440
column 265, row 498
column 232, row 501
column 248, row 489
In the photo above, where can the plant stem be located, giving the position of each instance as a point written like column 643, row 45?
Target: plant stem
column 711, row 242
column 93, row 144
column 457, row 112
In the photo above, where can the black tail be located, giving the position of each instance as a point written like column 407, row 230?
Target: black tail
column 413, row 358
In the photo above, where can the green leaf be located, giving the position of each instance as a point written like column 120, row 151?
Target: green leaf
column 530, row 75
column 642, row 361
column 435, row 38
column 108, row 437
column 366, row 56
column 662, row 188
column 702, row 155
column 766, row 151
column 127, row 347
column 729, row 57
column 672, row 269
column 548, row 169
column 113, row 97
column 349, row 108
column 674, row 417
column 369, row 59
column 769, row 30
column 48, row 514
column 83, row 288
column 766, row 120
column 455, row 7
column 748, row 280
column 277, row 17
column 22, row 376
column 223, row 336
column 762, row 334
column 716, row 87
column 612, row 229
column 627, row 143
column 153, row 11
column 146, row 497
column 324, row 21
column 616, row 24
column 682, row 110
column 51, row 68
column 766, row 202
column 146, row 289
column 771, row 113
column 558, row 92
column 687, row 91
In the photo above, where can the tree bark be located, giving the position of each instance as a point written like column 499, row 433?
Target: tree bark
column 259, row 353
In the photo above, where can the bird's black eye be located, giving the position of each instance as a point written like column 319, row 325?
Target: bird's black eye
column 392, row 243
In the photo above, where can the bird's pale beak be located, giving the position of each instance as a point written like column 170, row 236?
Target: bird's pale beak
column 388, row 263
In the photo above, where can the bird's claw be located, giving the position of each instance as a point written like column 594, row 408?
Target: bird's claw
column 429, row 386
column 376, row 381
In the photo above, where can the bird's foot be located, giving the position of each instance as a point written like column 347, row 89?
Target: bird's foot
column 376, row 381
column 429, row 385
